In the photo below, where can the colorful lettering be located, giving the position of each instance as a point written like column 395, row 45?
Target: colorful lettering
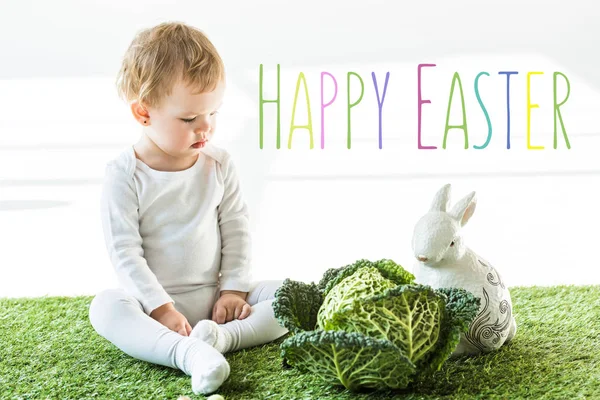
column 362, row 92
column 380, row 102
column 323, row 105
column 529, row 107
column 420, row 102
column 487, row 117
column 261, row 103
column 301, row 78
column 557, row 110
column 508, row 74
column 463, row 126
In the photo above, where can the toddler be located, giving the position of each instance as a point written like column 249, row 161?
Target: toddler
column 175, row 222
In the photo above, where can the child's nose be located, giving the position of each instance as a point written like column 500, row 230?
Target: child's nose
column 203, row 129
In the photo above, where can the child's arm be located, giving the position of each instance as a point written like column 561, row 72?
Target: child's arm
column 120, row 223
column 235, row 234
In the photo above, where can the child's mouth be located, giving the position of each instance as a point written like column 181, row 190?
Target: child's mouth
column 199, row 145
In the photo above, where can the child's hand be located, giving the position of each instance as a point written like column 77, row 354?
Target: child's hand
column 230, row 307
column 172, row 319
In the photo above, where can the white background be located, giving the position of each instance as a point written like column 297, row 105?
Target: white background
column 537, row 214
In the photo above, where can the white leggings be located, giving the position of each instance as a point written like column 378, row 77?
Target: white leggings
column 120, row 319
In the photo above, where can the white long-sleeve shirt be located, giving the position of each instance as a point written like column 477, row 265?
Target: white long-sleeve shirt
column 171, row 232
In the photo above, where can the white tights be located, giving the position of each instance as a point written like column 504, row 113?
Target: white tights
column 120, row 319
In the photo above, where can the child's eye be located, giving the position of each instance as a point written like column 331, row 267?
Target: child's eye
column 188, row 121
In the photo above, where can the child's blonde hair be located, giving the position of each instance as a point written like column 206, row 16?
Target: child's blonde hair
column 160, row 56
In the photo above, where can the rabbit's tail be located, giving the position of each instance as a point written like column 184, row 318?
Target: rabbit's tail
column 512, row 331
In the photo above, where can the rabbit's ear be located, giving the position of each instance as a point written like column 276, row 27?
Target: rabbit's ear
column 441, row 199
column 464, row 209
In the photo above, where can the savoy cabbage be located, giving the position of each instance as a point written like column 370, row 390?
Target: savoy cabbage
column 369, row 325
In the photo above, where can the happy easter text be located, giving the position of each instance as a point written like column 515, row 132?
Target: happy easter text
column 420, row 102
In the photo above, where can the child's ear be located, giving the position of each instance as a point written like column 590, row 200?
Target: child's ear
column 140, row 112
column 464, row 209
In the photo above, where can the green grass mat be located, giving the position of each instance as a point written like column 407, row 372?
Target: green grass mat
column 48, row 350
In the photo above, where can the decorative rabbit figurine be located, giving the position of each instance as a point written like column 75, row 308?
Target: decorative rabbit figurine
column 444, row 261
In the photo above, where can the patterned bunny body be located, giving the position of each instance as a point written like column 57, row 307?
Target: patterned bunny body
column 494, row 324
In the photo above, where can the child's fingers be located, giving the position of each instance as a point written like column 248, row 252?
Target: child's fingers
column 214, row 313
column 220, row 315
column 245, row 311
column 182, row 331
column 188, row 328
column 230, row 312
column 237, row 312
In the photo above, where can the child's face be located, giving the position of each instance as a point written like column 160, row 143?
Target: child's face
column 184, row 121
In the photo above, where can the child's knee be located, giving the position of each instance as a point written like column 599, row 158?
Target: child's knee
column 104, row 306
column 263, row 290
column 271, row 287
